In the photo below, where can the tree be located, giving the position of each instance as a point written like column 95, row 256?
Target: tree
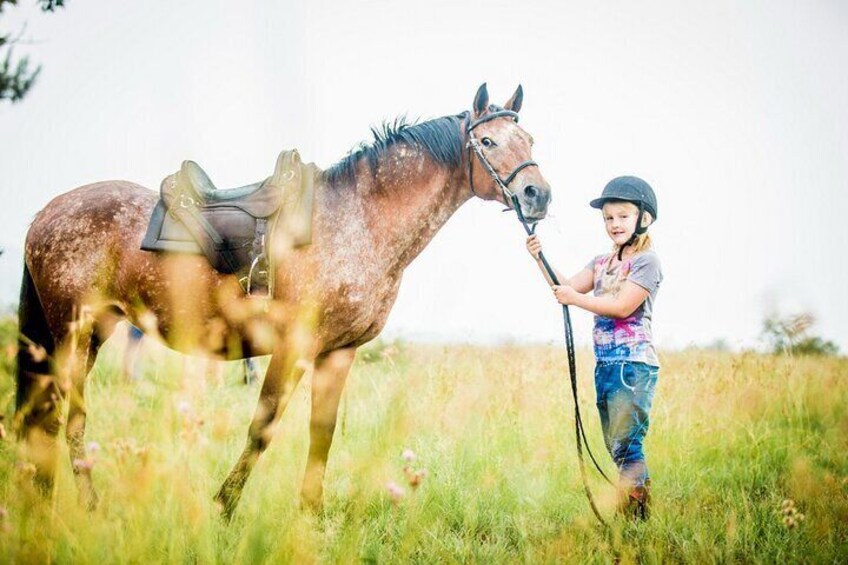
column 15, row 76
column 790, row 334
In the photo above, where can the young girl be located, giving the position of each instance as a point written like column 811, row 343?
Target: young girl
column 625, row 284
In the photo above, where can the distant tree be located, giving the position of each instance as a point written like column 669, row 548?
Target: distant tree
column 814, row 345
column 790, row 334
column 15, row 76
column 718, row 344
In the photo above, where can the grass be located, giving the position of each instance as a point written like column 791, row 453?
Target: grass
column 732, row 436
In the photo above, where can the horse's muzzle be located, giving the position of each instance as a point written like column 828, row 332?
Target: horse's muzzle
column 534, row 201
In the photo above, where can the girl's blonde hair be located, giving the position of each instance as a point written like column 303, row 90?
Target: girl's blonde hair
column 642, row 243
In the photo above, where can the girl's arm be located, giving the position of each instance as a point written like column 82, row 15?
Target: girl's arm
column 628, row 299
column 583, row 281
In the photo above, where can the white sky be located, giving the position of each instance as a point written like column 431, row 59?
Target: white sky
column 735, row 112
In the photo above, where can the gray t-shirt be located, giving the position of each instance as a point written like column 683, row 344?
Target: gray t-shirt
column 627, row 339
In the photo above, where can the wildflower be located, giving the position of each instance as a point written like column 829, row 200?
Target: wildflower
column 92, row 447
column 183, row 407
column 791, row 516
column 408, row 455
column 416, row 478
column 395, row 491
column 83, row 465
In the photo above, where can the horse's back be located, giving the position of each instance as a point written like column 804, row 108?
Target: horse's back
column 100, row 200
column 76, row 240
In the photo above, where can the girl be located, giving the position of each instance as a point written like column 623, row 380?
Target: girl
column 625, row 284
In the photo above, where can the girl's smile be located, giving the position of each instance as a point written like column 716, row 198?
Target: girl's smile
column 620, row 220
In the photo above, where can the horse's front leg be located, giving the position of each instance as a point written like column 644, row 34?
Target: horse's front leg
column 280, row 381
column 328, row 380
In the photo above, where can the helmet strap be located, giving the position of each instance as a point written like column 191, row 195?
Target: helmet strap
column 640, row 229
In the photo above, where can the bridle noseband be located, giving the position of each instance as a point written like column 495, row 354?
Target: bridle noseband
column 474, row 144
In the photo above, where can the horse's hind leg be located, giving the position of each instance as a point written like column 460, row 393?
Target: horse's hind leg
column 37, row 403
column 328, row 381
column 280, row 381
column 42, row 416
column 87, row 345
column 75, row 428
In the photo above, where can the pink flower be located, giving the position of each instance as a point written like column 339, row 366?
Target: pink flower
column 83, row 465
column 408, row 455
column 395, row 491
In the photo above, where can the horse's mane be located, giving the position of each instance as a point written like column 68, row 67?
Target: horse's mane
column 440, row 138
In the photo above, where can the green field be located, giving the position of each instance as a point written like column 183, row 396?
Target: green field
column 732, row 437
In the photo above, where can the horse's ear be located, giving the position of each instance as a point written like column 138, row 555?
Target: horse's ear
column 514, row 103
column 481, row 101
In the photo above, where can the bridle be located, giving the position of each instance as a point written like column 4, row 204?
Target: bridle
column 473, row 144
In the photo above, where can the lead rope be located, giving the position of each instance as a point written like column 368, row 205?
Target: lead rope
column 474, row 145
column 580, row 433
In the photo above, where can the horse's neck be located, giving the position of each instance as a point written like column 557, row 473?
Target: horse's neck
column 404, row 204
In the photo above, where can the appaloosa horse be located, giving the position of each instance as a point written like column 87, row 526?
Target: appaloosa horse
column 374, row 212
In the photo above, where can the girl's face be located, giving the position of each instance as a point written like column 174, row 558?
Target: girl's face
column 620, row 220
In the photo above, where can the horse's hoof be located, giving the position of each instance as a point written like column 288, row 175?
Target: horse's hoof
column 89, row 501
column 314, row 506
column 225, row 508
column 43, row 484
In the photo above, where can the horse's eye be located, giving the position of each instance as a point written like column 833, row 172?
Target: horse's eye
column 487, row 142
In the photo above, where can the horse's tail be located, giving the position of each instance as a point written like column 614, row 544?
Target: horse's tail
column 35, row 342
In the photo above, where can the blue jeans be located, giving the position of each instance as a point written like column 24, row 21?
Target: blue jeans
column 625, row 391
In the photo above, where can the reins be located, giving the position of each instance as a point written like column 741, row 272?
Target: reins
column 473, row 144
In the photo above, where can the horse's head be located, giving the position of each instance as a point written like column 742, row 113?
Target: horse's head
column 499, row 157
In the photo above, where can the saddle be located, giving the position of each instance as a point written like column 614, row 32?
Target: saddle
column 233, row 227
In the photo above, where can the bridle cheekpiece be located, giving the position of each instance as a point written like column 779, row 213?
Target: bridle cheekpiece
column 473, row 144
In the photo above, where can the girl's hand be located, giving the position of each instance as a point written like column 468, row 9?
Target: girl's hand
column 534, row 246
column 565, row 294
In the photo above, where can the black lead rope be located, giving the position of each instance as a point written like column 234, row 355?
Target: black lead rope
column 572, row 370
column 474, row 145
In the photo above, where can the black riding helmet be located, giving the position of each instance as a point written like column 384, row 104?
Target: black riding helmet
column 629, row 189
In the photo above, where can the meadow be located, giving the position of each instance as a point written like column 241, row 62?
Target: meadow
column 487, row 436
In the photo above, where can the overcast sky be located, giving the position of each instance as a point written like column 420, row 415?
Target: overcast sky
column 736, row 113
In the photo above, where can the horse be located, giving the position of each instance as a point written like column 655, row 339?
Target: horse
column 374, row 211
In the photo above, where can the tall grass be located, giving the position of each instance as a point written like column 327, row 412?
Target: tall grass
column 732, row 437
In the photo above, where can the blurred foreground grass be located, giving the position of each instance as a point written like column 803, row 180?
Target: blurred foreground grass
column 732, row 436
